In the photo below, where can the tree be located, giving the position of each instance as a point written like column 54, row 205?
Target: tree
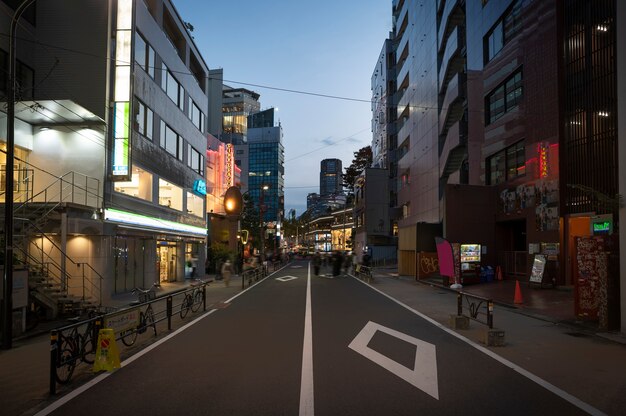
column 250, row 221
column 362, row 159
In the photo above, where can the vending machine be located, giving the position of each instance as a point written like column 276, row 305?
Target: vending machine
column 470, row 263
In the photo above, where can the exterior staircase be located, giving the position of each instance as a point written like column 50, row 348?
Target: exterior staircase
column 35, row 217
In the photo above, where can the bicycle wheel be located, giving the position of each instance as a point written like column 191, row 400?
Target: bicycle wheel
column 129, row 337
column 185, row 306
column 66, row 362
column 197, row 300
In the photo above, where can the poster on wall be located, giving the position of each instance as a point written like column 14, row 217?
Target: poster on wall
column 539, row 266
column 590, row 276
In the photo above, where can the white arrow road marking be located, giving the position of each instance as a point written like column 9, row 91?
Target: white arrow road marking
column 423, row 375
column 286, row 278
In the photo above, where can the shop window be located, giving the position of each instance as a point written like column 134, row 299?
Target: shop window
column 140, row 185
column 507, row 164
column 170, row 195
column 195, row 205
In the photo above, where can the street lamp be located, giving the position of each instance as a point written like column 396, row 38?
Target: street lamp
column 261, row 222
column 7, row 283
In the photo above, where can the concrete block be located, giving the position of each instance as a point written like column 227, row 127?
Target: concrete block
column 494, row 337
column 459, row 322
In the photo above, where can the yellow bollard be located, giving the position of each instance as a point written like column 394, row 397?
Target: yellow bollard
column 107, row 354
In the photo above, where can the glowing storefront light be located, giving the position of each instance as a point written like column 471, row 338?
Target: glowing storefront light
column 142, row 220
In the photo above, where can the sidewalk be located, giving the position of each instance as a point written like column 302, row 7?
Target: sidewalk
column 24, row 369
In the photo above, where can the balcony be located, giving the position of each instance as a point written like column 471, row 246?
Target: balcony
column 453, row 104
column 453, row 152
column 453, row 59
column 453, row 15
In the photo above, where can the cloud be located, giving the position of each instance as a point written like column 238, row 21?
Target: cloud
column 328, row 141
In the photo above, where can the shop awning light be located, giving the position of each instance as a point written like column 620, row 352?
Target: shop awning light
column 156, row 223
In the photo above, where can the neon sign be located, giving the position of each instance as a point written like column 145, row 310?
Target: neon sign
column 199, row 187
column 229, row 165
column 544, row 151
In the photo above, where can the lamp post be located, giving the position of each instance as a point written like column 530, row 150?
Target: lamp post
column 7, row 282
column 261, row 222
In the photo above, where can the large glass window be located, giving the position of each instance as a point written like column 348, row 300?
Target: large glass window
column 140, row 185
column 195, row 205
column 195, row 160
column 507, row 164
column 171, row 141
column 173, row 89
column 505, row 29
column 144, row 119
column 144, row 55
column 504, row 97
column 170, row 195
column 195, row 115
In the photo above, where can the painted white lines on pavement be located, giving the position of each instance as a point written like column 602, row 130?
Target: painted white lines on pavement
column 297, row 266
column 306, row 381
column 423, row 375
column 286, row 278
column 538, row 380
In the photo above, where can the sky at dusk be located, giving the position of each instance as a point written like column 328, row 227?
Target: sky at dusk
column 327, row 47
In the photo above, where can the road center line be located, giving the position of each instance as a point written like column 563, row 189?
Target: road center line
column 306, row 382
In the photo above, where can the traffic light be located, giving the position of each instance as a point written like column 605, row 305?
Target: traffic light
column 233, row 201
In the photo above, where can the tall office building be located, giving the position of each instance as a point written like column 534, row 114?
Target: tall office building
column 267, row 166
column 111, row 141
column 330, row 177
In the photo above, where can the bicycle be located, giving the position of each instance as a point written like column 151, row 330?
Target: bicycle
column 74, row 347
column 193, row 299
column 146, row 318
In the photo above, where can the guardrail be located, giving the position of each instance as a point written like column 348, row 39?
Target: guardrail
column 76, row 344
column 476, row 306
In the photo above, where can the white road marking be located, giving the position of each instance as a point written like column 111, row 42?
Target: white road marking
column 423, row 375
column 75, row 393
column 543, row 383
column 286, row 278
column 306, row 381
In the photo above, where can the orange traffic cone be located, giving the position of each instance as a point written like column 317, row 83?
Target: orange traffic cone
column 518, row 294
column 498, row 273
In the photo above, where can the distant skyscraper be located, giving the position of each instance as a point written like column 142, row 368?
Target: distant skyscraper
column 330, row 177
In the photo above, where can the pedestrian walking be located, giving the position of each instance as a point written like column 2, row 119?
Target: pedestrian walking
column 227, row 271
column 317, row 262
column 337, row 260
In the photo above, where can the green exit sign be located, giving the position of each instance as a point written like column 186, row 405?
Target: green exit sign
column 602, row 227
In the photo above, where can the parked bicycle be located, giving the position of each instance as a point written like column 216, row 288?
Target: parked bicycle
column 76, row 346
column 146, row 318
column 194, row 298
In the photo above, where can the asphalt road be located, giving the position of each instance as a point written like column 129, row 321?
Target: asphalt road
column 294, row 345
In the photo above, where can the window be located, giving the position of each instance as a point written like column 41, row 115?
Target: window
column 195, row 160
column 140, row 185
column 144, row 55
column 173, row 89
column 505, row 29
column 171, row 141
column 195, row 205
column 507, row 164
column 170, row 195
column 25, row 78
column 504, row 97
column 144, row 119
column 196, row 116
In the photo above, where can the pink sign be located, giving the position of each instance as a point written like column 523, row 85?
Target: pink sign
column 446, row 258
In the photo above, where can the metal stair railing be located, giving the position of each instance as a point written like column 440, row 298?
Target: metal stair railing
column 90, row 290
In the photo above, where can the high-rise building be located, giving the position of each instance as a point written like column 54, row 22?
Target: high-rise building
column 120, row 127
column 267, row 167
column 507, row 132
column 330, row 177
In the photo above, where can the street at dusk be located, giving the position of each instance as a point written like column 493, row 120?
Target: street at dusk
column 356, row 207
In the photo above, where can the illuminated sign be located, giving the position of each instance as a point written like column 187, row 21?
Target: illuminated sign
column 156, row 223
column 199, row 187
column 229, row 165
column 544, row 151
column 120, row 167
column 601, row 227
